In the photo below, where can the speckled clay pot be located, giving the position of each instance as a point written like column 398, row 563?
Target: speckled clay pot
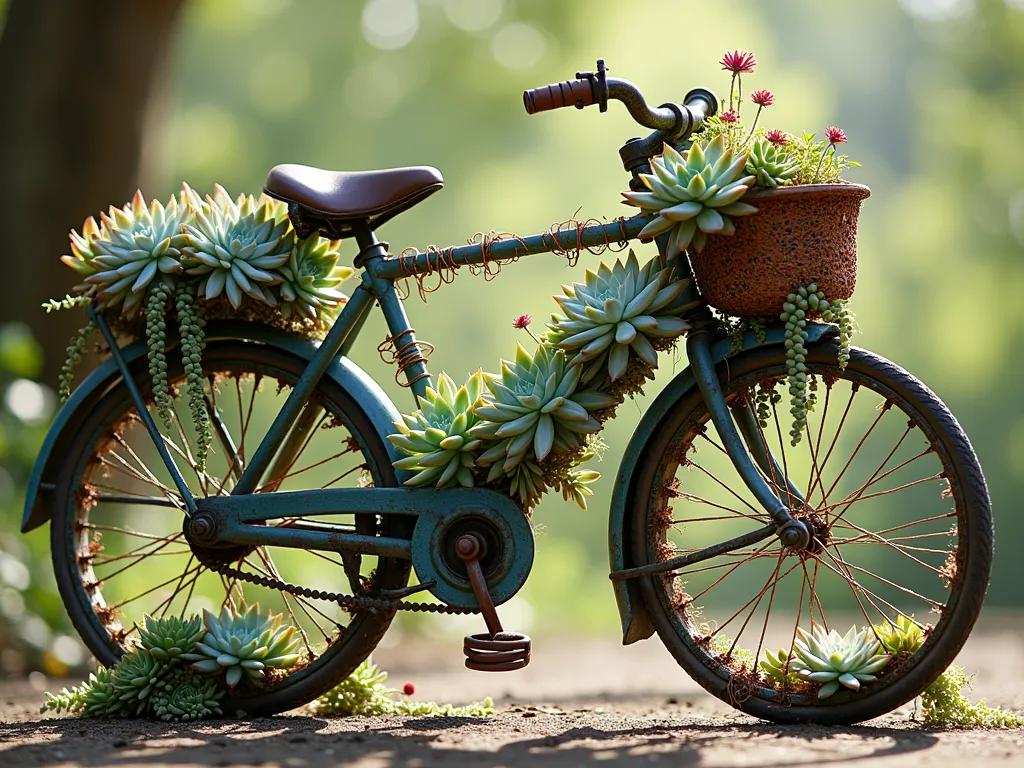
column 799, row 234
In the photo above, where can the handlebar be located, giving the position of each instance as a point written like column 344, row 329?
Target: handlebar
column 672, row 121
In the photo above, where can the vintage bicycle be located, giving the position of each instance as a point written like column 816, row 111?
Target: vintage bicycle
column 723, row 538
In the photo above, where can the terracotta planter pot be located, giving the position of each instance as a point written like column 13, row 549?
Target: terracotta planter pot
column 799, row 234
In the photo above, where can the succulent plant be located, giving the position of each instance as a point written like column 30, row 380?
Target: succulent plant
column 235, row 246
column 73, row 356
column 903, row 636
column 575, row 484
column 169, row 638
column 695, row 196
column 137, row 243
column 526, row 481
column 135, row 676
column 835, row 660
column 84, row 247
column 616, row 309
column 186, row 699
column 192, row 332
column 800, row 305
column 437, row 437
column 771, row 165
column 244, row 644
column 534, row 408
column 96, row 697
column 310, row 277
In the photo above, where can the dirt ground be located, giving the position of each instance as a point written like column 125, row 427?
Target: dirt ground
column 578, row 704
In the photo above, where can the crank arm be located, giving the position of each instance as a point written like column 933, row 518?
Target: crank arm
column 682, row 561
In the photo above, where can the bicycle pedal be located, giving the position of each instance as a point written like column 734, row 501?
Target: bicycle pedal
column 503, row 652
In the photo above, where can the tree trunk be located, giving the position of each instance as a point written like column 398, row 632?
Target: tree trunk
column 76, row 86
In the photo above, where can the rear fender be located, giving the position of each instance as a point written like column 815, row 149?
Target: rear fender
column 43, row 480
column 636, row 623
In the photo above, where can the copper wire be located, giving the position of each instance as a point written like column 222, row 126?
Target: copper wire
column 406, row 355
column 441, row 262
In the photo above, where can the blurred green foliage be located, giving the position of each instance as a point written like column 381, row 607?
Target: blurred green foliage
column 927, row 90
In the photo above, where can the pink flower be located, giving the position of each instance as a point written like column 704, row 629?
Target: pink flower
column 408, row 689
column 738, row 62
column 835, row 135
column 763, row 98
column 729, row 116
column 776, row 136
column 522, row 321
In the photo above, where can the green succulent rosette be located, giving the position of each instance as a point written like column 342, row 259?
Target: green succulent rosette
column 187, row 698
column 901, row 636
column 96, row 697
column 309, row 280
column 695, row 196
column 618, row 309
column 244, row 645
column 135, row 245
column 442, row 451
column 533, row 408
column 835, row 660
column 771, row 165
column 135, row 677
column 235, row 246
column 170, row 638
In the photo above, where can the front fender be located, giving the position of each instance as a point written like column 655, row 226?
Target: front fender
column 636, row 624
column 43, row 480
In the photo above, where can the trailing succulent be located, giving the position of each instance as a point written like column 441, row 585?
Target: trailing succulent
column 694, row 196
column 171, row 260
column 616, row 311
column 800, row 306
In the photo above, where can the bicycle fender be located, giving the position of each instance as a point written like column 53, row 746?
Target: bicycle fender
column 636, row 623
column 43, row 480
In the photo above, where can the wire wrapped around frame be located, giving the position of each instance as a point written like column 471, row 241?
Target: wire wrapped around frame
column 440, row 261
column 406, row 355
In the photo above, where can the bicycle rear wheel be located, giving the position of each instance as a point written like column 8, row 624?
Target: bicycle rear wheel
column 896, row 502
column 117, row 540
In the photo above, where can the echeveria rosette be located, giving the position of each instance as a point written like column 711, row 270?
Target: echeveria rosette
column 442, row 451
column 835, row 660
column 187, row 699
column 244, row 644
column 135, row 677
column 900, row 637
column 309, row 279
column 170, row 638
column 695, row 196
column 533, row 408
column 617, row 309
column 137, row 243
column 235, row 246
column 771, row 165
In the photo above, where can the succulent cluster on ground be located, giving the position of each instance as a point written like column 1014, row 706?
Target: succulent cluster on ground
column 182, row 667
column 364, row 694
column 158, row 271
column 528, row 429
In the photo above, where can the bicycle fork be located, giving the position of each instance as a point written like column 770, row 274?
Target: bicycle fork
column 751, row 458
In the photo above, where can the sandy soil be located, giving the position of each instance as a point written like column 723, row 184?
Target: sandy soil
column 579, row 703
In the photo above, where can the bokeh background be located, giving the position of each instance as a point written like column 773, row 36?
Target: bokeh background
column 103, row 96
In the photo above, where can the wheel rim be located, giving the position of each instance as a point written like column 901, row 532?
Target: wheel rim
column 128, row 555
column 884, row 501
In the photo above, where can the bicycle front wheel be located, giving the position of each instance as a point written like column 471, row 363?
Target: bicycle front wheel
column 117, row 538
column 897, row 506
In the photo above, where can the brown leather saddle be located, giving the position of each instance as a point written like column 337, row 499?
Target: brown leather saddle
column 333, row 201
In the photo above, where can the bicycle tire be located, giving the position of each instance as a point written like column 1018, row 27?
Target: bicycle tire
column 748, row 690
column 354, row 643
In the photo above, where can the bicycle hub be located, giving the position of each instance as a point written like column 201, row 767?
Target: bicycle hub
column 794, row 535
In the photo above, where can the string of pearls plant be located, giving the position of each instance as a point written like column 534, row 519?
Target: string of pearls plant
column 150, row 267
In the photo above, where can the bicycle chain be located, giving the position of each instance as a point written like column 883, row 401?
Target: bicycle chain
column 345, row 601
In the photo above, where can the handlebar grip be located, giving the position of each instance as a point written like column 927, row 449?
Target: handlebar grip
column 571, row 93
